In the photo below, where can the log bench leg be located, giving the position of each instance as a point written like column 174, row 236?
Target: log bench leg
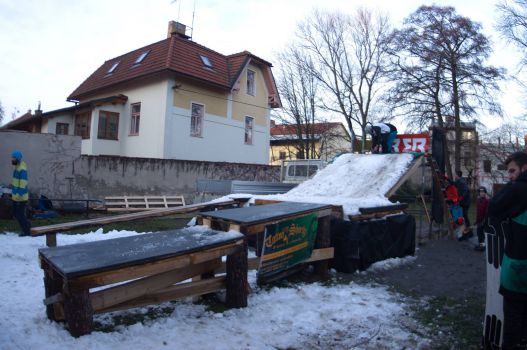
column 52, row 286
column 236, row 279
column 323, row 240
column 78, row 311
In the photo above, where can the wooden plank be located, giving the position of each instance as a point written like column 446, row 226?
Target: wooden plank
column 378, row 215
column 321, row 254
column 254, row 229
column 426, row 209
column 385, row 208
column 411, row 170
column 128, row 273
column 56, row 298
column 36, row 231
column 265, row 201
column 121, row 293
column 174, row 292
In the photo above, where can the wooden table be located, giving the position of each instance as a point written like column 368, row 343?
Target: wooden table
column 151, row 263
column 251, row 221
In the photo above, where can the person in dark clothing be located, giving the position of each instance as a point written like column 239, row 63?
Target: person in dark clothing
column 464, row 202
column 482, row 205
column 382, row 136
column 510, row 206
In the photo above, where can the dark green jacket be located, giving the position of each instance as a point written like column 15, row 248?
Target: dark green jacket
column 510, row 205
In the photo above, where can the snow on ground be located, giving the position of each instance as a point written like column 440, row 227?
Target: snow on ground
column 353, row 181
column 302, row 316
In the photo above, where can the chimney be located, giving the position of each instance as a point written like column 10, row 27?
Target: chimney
column 177, row 29
column 273, row 124
column 38, row 111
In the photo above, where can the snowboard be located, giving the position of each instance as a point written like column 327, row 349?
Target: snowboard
column 458, row 223
column 493, row 322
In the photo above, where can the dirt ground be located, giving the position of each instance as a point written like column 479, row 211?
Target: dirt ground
column 443, row 267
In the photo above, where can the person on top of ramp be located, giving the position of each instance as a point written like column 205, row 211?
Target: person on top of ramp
column 382, row 136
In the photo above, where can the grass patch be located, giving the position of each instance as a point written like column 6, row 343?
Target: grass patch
column 454, row 323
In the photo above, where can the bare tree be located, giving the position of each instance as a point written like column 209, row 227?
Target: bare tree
column 443, row 69
column 349, row 55
column 512, row 24
column 299, row 90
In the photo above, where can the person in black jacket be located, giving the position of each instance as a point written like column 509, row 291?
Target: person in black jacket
column 382, row 136
column 464, row 202
column 510, row 205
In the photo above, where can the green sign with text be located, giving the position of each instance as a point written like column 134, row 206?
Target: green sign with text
column 287, row 244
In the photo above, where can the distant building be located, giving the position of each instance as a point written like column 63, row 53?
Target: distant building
column 328, row 140
column 173, row 99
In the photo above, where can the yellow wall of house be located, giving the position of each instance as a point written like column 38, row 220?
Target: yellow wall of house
column 215, row 102
column 255, row 106
column 290, row 152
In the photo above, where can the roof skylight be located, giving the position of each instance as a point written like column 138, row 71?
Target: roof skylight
column 113, row 67
column 206, row 62
column 141, row 57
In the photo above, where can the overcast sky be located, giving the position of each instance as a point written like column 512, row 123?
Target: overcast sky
column 50, row 46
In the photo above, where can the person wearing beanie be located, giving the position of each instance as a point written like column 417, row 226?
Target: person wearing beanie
column 20, row 193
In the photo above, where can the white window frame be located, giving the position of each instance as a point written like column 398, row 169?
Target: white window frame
column 251, row 83
column 249, row 130
column 141, row 57
column 196, row 120
column 135, row 119
column 113, row 68
column 206, row 61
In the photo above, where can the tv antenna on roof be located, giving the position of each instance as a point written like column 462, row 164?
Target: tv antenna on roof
column 193, row 15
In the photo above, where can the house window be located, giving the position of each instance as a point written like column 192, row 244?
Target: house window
column 196, row 120
column 62, row 128
column 468, row 158
column 250, row 82
column 487, row 166
column 206, row 61
column 282, row 155
column 113, row 67
column 300, row 155
column 249, row 121
column 134, row 121
column 108, row 125
column 502, row 167
column 141, row 57
column 82, row 125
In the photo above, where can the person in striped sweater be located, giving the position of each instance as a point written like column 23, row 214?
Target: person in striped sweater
column 20, row 193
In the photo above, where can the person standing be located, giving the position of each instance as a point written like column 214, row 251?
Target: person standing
column 510, row 206
column 482, row 206
column 382, row 136
column 464, row 202
column 20, row 193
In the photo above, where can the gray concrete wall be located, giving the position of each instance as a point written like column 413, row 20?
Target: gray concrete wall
column 50, row 160
column 100, row 176
column 57, row 170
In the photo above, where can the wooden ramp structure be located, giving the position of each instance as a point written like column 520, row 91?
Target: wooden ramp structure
column 414, row 166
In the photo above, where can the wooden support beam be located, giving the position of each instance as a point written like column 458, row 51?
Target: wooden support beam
column 170, row 293
column 323, row 240
column 131, row 290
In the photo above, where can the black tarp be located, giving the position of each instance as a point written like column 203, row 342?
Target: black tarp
column 358, row 244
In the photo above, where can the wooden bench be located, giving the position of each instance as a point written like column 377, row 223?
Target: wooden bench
column 152, row 267
column 252, row 222
column 141, row 203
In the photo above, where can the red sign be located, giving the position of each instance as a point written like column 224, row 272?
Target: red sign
column 407, row 143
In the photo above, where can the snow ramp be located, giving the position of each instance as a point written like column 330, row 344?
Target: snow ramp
column 355, row 181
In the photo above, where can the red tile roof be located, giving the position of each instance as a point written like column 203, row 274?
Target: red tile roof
column 177, row 55
column 292, row 129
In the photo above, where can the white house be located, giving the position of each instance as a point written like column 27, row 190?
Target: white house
column 173, row 99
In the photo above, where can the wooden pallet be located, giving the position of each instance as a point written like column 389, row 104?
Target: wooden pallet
column 139, row 203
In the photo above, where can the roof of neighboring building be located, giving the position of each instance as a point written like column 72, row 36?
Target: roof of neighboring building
column 23, row 119
column 177, row 55
column 292, row 129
